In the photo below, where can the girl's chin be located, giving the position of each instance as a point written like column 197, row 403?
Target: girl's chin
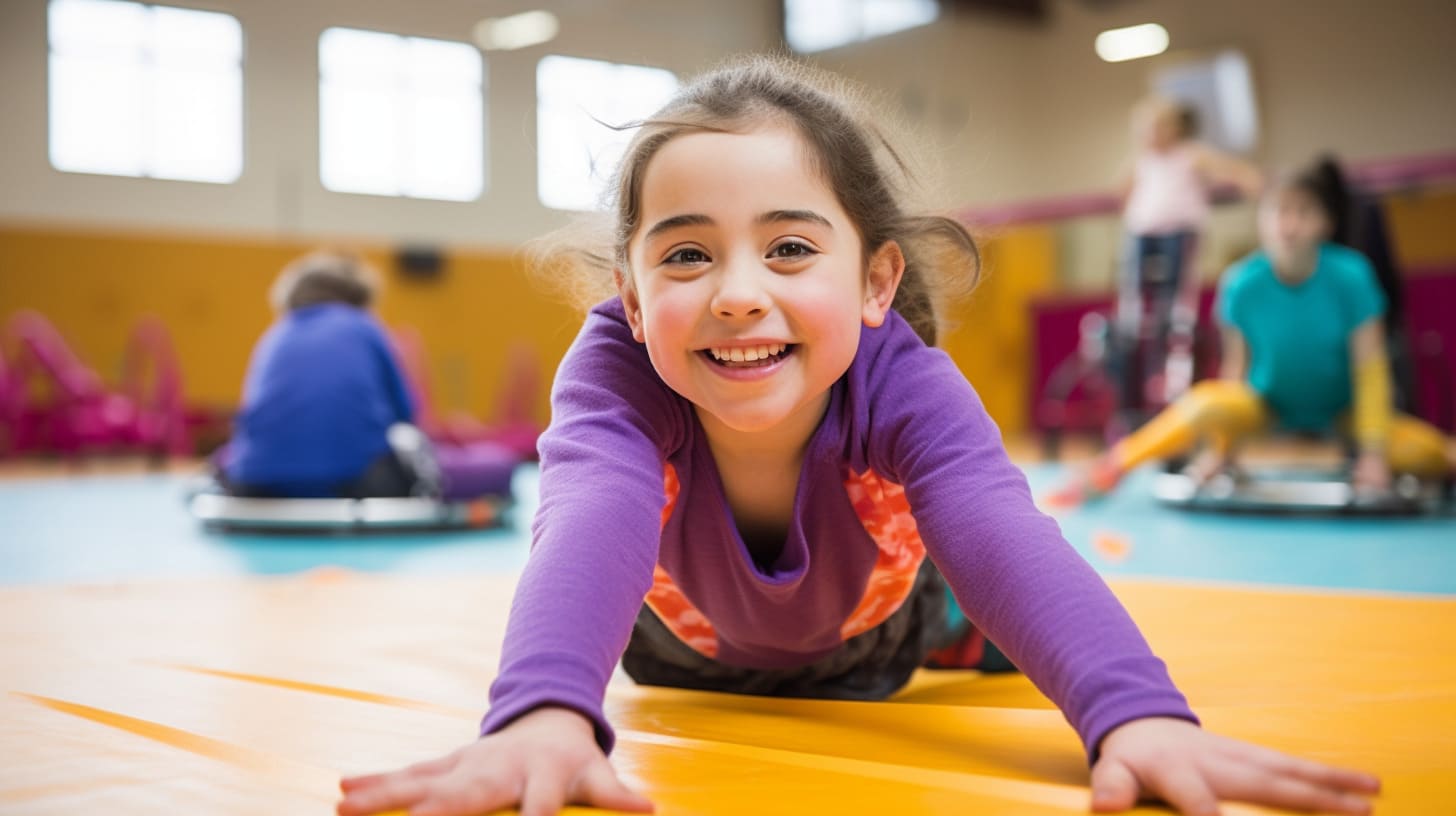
column 747, row 423
column 747, row 419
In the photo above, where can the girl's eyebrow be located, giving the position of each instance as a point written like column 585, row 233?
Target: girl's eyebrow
column 795, row 215
column 699, row 220
column 675, row 221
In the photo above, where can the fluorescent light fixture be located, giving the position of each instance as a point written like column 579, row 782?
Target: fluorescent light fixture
column 516, row 31
column 1133, row 42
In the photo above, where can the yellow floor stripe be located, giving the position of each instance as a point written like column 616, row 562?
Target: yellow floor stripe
column 330, row 691
column 291, row 774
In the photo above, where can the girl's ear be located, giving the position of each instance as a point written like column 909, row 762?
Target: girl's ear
column 886, row 268
column 629, row 303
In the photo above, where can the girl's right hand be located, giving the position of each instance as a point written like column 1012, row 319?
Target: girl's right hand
column 543, row 760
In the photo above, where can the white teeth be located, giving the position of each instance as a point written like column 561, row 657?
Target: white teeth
column 748, row 354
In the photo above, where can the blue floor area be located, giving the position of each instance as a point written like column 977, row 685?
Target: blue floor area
column 97, row 529
column 1411, row 555
column 93, row 529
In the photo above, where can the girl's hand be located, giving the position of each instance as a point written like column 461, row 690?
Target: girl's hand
column 540, row 762
column 1193, row 770
column 1371, row 473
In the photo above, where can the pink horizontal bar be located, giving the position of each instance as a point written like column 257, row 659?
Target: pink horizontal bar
column 1383, row 175
column 1373, row 175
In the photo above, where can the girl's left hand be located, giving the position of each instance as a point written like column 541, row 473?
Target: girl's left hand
column 1193, row 770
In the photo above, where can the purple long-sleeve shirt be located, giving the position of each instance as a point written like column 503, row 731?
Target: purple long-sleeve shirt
column 903, row 411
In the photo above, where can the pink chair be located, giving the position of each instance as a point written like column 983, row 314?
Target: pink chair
column 55, row 402
column 11, row 402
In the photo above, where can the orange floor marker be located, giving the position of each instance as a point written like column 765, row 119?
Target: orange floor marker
column 1113, row 547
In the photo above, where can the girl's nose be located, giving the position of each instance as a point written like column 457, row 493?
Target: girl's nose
column 740, row 292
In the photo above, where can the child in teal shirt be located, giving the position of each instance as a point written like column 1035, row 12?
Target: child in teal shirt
column 1304, row 349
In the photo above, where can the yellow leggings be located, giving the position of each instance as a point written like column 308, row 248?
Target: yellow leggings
column 1222, row 412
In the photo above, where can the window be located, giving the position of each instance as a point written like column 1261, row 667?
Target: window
column 141, row 90
column 816, row 25
column 1220, row 89
column 401, row 116
column 576, row 100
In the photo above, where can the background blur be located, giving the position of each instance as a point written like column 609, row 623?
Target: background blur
column 164, row 165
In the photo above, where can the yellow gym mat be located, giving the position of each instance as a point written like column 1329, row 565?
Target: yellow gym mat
column 254, row 696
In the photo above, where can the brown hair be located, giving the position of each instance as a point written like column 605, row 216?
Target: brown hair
column 325, row 276
column 1324, row 182
column 867, row 176
column 1189, row 122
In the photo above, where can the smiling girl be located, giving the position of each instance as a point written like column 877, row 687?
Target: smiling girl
column 760, row 477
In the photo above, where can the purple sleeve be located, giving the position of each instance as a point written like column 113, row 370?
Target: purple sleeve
column 597, row 530
column 1013, row 573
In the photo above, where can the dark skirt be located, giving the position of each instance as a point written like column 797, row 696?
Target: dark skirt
column 869, row 666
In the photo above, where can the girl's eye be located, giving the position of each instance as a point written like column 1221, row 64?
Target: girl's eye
column 791, row 249
column 687, row 255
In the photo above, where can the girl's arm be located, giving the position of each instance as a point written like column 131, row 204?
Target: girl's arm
column 1021, row 583
column 1218, row 169
column 1370, row 421
column 597, row 530
column 1009, row 566
column 1234, row 361
column 594, row 545
column 1126, row 178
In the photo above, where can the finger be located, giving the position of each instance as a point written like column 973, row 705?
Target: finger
column 394, row 794
column 1114, row 787
column 1279, row 763
column 1260, row 786
column 464, row 796
column 545, row 791
column 599, row 786
column 1294, row 794
column 431, row 767
column 1182, row 785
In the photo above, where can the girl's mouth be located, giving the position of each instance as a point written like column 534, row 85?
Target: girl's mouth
column 759, row 356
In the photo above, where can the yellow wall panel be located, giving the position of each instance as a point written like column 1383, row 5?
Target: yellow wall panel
column 1421, row 226
column 212, row 295
column 990, row 338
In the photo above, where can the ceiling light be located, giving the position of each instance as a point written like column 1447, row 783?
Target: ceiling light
column 516, row 31
column 1133, row 42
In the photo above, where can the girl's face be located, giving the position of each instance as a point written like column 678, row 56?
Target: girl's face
column 1292, row 224
column 1157, row 128
column 747, row 279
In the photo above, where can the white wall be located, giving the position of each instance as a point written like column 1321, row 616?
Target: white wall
column 1030, row 110
column 1016, row 110
column 279, row 192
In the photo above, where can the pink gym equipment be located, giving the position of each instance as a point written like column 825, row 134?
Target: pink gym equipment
column 52, row 402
